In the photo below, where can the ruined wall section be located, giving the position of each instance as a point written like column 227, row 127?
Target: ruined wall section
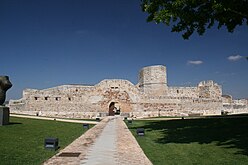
column 240, row 106
column 209, row 89
column 63, row 101
column 77, row 101
column 231, row 106
column 151, row 106
column 159, row 99
column 201, row 106
column 178, row 106
column 183, row 92
column 17, row 106
column 205, row 99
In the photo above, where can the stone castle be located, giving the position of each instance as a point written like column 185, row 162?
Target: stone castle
column 150, row 97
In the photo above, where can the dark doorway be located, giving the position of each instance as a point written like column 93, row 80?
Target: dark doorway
column 111, row 109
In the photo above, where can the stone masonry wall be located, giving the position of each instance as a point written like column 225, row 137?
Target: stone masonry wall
column 235, row 106
column 150, row 97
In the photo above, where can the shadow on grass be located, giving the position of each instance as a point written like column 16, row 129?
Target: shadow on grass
column 224, row 132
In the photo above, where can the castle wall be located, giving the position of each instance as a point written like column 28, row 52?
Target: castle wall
column 76, row 101
column 235, row 106
column 150, row 97
column 187, row 92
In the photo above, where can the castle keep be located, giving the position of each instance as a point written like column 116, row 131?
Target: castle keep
column 150, row 97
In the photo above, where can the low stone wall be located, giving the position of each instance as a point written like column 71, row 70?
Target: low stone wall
column 71, row 115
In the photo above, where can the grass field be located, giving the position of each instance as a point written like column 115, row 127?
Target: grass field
column 22, row 142
column 195, row 141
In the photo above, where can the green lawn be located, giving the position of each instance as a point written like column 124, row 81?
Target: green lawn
column 22, row 142
column 195, row 141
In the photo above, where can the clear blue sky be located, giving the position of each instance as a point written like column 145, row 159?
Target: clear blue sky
column 46, row 43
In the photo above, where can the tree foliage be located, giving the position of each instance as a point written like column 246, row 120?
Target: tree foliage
column 188, row 16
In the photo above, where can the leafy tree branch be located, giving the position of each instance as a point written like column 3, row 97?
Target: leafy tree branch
column 188, row 16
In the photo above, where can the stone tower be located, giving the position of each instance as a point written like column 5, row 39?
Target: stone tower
column 152, row 80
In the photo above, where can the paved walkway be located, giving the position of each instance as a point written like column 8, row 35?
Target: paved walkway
column 103, row 151
column 108, row 143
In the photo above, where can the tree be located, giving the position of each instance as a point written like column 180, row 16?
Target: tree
column 188, row 16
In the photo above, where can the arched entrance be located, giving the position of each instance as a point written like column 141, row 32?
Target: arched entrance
column 111, row 109
column 116, row 100
column 114, row 109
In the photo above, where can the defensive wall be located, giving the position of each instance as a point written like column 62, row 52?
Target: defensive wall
column 150, row 97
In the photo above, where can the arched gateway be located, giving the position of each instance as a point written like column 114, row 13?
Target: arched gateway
column 117, row 102
column 117, row 97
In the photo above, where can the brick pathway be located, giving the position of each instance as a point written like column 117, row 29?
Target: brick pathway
column 108, row 143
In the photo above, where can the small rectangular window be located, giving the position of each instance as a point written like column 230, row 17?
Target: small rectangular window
column 57, row 98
